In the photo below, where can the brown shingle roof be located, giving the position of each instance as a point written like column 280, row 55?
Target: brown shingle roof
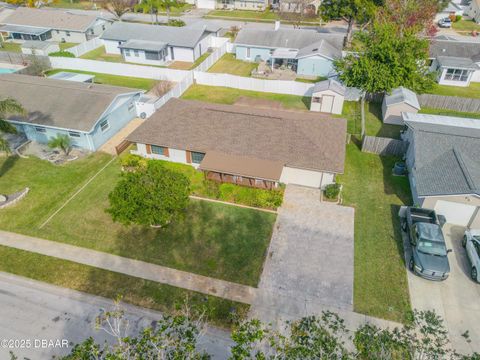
column 296, row 139
column 50, row 18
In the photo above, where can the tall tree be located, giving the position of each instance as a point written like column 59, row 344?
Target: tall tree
column 388, row 61
column 151, row 195
column 354, row 12
column 118, row 8
column 8, row 106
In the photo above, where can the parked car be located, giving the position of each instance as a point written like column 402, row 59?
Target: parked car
column 471, row 243
column 445, row 23
column 429, row 252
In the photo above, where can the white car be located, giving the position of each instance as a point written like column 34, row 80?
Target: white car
column 471, row 243
column 445, row 23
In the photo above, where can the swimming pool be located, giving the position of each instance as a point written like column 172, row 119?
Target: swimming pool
column 7, row 71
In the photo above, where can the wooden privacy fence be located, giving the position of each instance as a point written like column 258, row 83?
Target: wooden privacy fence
column 454, row 103
column 383, row 146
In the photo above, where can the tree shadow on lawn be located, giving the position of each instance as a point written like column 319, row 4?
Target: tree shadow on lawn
column 8, row 164
column 219, row 241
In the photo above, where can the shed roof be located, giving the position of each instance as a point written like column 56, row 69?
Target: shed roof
column 296, row 139
column 402, row 95
column 57, row 103
column 330, row 84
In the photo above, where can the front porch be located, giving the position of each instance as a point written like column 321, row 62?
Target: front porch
column 240, row 180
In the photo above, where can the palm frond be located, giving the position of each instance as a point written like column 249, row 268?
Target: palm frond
column 11, row 106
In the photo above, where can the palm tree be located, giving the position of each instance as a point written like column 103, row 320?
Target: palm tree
column 62, row 142
column 8, row 106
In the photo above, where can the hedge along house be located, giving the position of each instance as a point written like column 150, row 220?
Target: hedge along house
column 53, row 25
column 307, row 52
column 89, row 114
column 251, row 147
column 457, row 62
column 157, row 44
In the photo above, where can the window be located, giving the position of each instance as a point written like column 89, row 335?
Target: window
column 248, row 52
column 151, row 55
column 237, row 179
column 104, row 125
column 258, row 182
column 158, row 150
column 316, row 99
column 136, row 53
column 127, row 52
column 40, row 129
column 67, row 33
column 197, row 157
column 73, row 134
column 103, row 27
column 457, row 75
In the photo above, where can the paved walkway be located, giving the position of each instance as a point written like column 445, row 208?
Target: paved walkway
column 136, row 268
column 109, row 146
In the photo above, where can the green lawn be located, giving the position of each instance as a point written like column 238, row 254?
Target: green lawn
column 252, row 15
column 465, row 26
column 228, row 64
column 70, row 4
column 132, row 82
column 380, row 279
column 472, row 91
column 447, row 112
column 66, row 45
column 200, row 60
column 221, row 241
column 224, row 95
column 12, row 47
column 100, row 54
column 109, row 284
column 373, row 120
column 174, row 11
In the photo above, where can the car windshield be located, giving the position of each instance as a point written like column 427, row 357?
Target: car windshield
column 432, row 247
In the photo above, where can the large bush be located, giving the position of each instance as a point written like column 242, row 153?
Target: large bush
column 62, row 53
column 332, row 191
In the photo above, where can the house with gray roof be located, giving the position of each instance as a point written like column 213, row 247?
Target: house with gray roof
column 243, row 145
column 457, row 60
column 157, row 44
column 398, row 101
column 53, row 25
column 308, row 52
column 90, row 114
column 444, row 171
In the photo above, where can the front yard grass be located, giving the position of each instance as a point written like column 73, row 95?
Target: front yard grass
column 100, row 54
column 259, row 16
column 380, row 278
column 107, row 79
column 11, row 47
column 472, row 91
column 224, row 95
column 216, row 240
column 465, row 26
column 447, row 112
column 228, row 64
column 148, row 294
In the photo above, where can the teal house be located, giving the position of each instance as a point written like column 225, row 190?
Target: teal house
column 90, row 114
column 307, row 52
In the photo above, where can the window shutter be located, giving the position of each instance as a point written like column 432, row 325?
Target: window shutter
column 189, row 157
column 166, row 152
column 149, row 148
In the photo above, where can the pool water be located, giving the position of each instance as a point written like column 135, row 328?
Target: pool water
column 6, row 71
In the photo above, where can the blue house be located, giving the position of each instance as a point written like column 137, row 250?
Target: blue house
column 308, row 52
column 90, row 114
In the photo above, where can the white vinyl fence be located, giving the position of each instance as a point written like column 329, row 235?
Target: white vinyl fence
column 212, row 58
column 140, row 71
column 176, row 91
column 85, row 47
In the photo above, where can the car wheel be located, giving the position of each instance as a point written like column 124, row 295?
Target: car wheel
column 411, row 264
column 474, row 274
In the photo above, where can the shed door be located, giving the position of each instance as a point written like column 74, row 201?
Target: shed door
column 327, row 103
column 455, row 213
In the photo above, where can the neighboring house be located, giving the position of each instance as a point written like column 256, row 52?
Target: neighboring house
column 157, row 44
column 310, row 8
column 457, row 61
column 473, row 10
column 328, row 97
column 89, row 114
column 452, row 9
column 37, row 47
column 400, row 100
column 243, row 145
column 307, row 52
column 52, row 24
column 444, row 171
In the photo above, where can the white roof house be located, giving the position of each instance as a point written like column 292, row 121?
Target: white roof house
column 400, row 100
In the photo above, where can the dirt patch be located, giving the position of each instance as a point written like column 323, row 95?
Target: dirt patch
column 259, row 103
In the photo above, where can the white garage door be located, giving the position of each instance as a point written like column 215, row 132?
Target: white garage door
column 206, row 4
column 455, row 213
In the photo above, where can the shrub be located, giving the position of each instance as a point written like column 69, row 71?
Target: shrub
column 332, row 191
column 458, row 18
column 176, row 22
column 131, row 161
column 62, row 53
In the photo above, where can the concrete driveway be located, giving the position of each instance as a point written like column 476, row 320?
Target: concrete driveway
column 456, row 299
column 309, row 264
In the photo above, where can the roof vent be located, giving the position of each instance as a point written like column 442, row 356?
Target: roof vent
column 316, row 49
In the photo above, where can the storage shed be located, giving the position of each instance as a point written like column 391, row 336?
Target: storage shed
column 400, row 100
column 328, row 97
column 38, row 47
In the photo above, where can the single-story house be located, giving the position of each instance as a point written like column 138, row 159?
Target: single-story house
column 444, row 171
column 90, row 114
column 157, row 44
column 456, row 60
column 473, row 10
column 53, row 24
column 307, row 52
column 328, row 97
column 230, row 4
column 400, row 100
column 38, row 47
column 243, row 145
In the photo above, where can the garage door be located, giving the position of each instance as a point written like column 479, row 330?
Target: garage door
column 455, row 213
column 206, row 4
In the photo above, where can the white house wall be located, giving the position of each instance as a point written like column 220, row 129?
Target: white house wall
column 203, row 45
column 73, row 37
column 111, row 47
column 315, row 179
column 140, row 59
column 183, row 54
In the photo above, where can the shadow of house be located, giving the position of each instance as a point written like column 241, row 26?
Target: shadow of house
column 8, row 164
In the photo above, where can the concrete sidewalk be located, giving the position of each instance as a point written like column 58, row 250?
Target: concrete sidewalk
column 136, row 268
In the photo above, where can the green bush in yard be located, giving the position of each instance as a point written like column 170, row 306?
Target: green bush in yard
column 62, row 53
column 332, row 191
